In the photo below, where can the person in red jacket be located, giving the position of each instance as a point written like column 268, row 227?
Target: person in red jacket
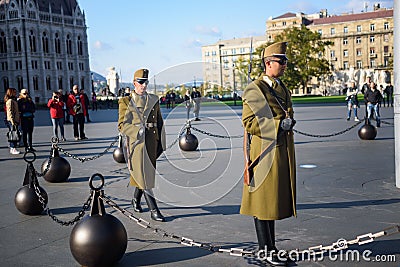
column 77, row 108
column 57, row 114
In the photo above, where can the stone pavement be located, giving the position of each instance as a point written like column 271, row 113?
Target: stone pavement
column 345, row 188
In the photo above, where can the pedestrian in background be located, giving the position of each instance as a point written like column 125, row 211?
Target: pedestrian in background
column 352, row 101
column 94, row 101
column 196, row 98
column 27, row 110
column 12, row 115
column 77, row 109
column 188, row 103
column 389, row 93
column 268, row 117
column 82, row 92
column 56, row 106
column 66, row 109
column 372, row 99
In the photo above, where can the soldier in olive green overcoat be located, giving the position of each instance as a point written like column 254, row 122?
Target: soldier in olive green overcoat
column 141, row 124
column 268, row 117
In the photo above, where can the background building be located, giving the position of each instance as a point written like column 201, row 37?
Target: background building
column 363, row 45
column 219, row 60
column 43, row 47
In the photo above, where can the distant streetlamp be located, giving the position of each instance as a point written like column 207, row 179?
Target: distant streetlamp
column 220, row 64
column 91, row 74
column 234, row 85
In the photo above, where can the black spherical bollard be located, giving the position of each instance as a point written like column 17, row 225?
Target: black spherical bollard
column 59, row 169
column 26, row 199
column 188, row 142
column 118, row 154
column 99, row 239
column 367, row 131
column 27, row 202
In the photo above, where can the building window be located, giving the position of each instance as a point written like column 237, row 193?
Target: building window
column 68, row 43
column 234, row 51
column 59, row 65
column 372, row 51
column 3, row 43
column 359, row 64
column 332, row 31
column 82, row 83
column 320, row 32
column 70, row 66
column 35, row 83
column 34, row 64
column 32, row 41
column 17, row 42
column 345, row 29
column 385, row 61
column 358, row 52
column 47, row 64
column 358, row 40
column 372, row 63
column 48, row 83
column 80, row 46
column 6, row 84
column 20, row 83
column 60, row 82
column 332, row 53
column 386, row 26
column 345, row 41
column 71, row 81
column 18, row 64
column 283, row 23
column 81, row 68
column 57, row 44
column 345, row 65
column 45, row 43
column 345, row 53
column 4, row 65
column 386, row 37
column 372, row 39
column 359, row 28
column 372, row 27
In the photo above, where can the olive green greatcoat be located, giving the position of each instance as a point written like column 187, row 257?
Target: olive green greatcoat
column 142, row 153
column 274, row 197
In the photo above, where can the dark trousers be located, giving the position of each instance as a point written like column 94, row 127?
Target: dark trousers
column 27, row 131
column 79, row 119
column 389, row 99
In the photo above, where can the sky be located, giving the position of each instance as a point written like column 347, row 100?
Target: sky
column 162, row 34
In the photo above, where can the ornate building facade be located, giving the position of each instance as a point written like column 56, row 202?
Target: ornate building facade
column 43, row 47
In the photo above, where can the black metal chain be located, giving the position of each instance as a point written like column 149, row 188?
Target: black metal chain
column 182, row 130
column 327, row 135
column 216, row 135
column 338, row 245
column 42, row 201
column 47, row 166
column 83, row 159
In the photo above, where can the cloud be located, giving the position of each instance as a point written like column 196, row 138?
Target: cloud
column 134, row 41
column 193, row 43
column 99, row 45
column 213, row 31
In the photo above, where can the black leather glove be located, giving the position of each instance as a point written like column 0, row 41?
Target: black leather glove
column 287, row 124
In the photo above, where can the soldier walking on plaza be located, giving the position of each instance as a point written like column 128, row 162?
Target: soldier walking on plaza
column 142, row 126
column 268, row 118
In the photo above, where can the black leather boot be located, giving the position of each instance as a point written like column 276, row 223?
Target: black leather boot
column 137, row 195
column 154, row 211
column 266, row 241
